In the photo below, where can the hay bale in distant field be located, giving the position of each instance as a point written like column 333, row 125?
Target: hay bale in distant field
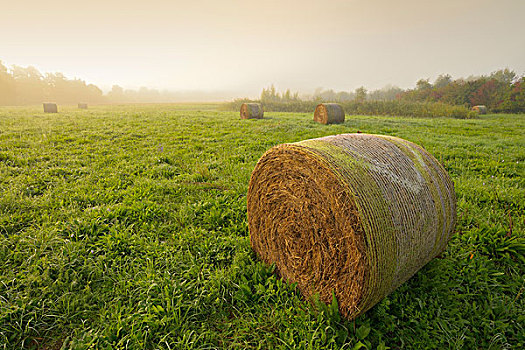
column 50, row 108
column 353, row 214
column 329, row 113
column 82, row 106
column 252, row 111
column 480, row 109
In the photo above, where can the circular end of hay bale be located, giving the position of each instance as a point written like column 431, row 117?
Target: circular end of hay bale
column 329, row 113
column 252, row 111
column 355, row 215
column 481, row 109
column 303, row 219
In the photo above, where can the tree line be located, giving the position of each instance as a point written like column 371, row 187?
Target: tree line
column 28, row 86
column 501, row 91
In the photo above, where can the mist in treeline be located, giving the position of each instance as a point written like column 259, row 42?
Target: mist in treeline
column 502, row 90
column 117, row 94
column 28, row 86
column 23, row 86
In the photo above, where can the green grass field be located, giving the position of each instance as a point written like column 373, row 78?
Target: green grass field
column 125, row 227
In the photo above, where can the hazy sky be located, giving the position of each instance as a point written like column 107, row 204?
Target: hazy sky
column 243, row 46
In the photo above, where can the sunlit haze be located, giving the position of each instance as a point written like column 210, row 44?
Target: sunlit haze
column 240, row 47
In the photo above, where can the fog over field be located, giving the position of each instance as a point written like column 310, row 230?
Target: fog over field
column 273, row 174
column 235, row 48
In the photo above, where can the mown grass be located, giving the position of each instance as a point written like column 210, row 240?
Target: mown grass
column 125, row 227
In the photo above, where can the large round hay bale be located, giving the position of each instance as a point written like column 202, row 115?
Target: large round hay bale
column 481, row 109
column 50, row 108
column 329, row 113
column 353, row 214
column 252, row 111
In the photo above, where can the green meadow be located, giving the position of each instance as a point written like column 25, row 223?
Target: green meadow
column 124, row 227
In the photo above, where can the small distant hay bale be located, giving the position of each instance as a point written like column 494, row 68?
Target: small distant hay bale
column 355, row 215
column 481, row 109
column 50, row 108
column 252, row 111
column 82, row 106
column 329, row 113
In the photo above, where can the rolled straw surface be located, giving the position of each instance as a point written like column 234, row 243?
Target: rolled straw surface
column 480, row 109
column 329, row 113
column 50, row 108
column 252, row 111
column 352, row 214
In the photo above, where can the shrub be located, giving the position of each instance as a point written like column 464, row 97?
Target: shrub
column 387, row 108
